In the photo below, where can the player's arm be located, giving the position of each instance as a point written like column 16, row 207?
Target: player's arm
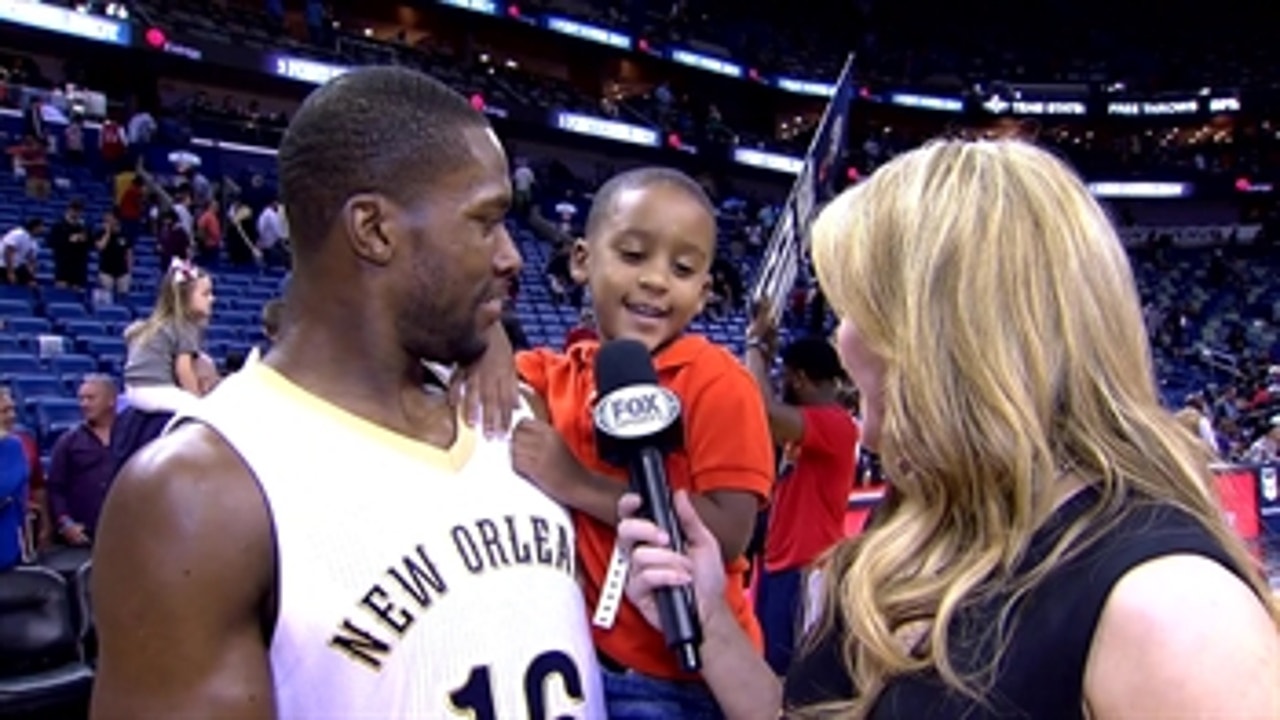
column 786, row 422
column 182, row 564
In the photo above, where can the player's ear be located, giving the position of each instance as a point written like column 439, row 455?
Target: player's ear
column 579, row 256
column 369, row 220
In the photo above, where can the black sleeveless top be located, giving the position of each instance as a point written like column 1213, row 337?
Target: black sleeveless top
column 1041, row 675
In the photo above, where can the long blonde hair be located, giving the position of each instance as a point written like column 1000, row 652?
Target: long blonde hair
column 1002, row 302
column 173, row 302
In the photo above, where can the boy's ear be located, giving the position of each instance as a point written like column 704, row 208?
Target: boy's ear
column 705, row 293
column 578, row 258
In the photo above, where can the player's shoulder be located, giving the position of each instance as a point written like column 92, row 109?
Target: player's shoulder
column 183, row 473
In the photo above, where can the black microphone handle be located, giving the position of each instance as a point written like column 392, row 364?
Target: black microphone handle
column 677, row 607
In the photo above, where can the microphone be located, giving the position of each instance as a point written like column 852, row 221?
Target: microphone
column 637, row 423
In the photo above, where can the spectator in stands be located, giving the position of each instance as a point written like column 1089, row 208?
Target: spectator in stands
column 38, row 505
column 81, row 466
column 159, row 371
column 209, row 235
column 21, row 250
column 1053, row 544
column 31, row 161
column 33, row 121
column 172, row 240
column 162, row 367
column 15, row 474
column 522, row 182
column 273, row 235
column 811, row 497
column 1266, row 449
column 69, row 240
column 272, row 318
column 132, row 207
column 567, row 212
column 182, row 205
column 564, row 289
column 115, row 256
column 73, row 140
column 113, row 147
column 142, row 128
column 1198, row 408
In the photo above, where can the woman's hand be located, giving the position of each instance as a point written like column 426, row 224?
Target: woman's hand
column 489, row 388
column 655, row 565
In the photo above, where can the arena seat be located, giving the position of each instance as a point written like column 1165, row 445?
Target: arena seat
column 28, row 387
column 61, row 296
column 113, row 313
column 67, row 562
column 62, row 311
column 16, row 308
column 71, row 364
column 12, row 292
column 41, row 667
column 28, row 326
column 19, row 364
column 86, row 327
column 51, row 412
column 84, row 597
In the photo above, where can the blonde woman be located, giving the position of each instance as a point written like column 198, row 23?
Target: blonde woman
column 1053, row 550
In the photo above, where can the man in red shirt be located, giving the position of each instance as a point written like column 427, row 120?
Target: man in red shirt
column 806, row 516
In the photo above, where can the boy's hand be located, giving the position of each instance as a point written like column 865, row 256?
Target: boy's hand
column 489, row 387
column 540, row 455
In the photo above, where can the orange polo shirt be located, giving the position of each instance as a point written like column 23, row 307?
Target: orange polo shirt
column 727, row 446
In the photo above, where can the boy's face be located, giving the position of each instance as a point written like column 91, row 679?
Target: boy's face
column 647, row 264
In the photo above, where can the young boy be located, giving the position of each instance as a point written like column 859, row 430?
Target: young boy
column 650, row 240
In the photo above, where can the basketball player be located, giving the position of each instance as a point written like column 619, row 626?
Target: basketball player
column 320, row 537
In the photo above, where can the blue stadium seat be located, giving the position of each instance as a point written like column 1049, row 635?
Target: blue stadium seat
column 17, row 308
column 57, row 295
column 99, row 345
column 10, row 344
column 66, row 311
column 111, row 363
column 68, row 364
column 28, row 326
column 19, row 363
column 87, row 326
column 222, row 334
column 27, row 386
column 71, row 381
column 114, row 313
column 12, row 292
column 50, row 412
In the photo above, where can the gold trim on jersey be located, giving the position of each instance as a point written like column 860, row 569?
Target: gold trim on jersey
column 451, row 458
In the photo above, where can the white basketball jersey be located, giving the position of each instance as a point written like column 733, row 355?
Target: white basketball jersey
column 414, row 582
